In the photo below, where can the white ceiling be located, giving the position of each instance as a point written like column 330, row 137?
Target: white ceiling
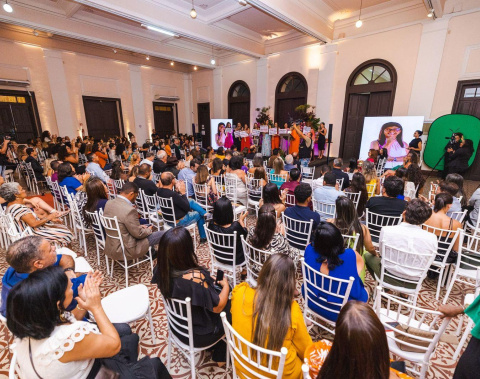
column 224, row 25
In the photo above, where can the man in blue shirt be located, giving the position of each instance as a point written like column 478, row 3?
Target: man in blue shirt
column 301, row 211
column 187, row 174
column 94, row 169
column 33, row 253
column 327, row 193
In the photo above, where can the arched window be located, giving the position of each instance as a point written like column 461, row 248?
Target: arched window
column 239, row 103
column 292, row 91
column 370, row 92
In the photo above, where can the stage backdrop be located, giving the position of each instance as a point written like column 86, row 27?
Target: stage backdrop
column 374, row 136
column 440, row 132
column 214, row 127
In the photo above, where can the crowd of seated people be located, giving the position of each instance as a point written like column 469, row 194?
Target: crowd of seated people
column 267, row 314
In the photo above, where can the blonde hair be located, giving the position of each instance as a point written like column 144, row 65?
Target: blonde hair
column 278, row 166
column 369, row 171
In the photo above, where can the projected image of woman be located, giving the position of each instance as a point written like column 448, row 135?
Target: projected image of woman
column 220, row 136
column 229, row 138
column 390, row 139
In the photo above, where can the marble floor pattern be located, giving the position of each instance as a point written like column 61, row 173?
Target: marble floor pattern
column 442, row 366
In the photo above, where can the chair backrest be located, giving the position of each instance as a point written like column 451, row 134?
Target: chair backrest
column 118, row 183
column 398, row 264
column 375, row 222
column 222, row 246
column 74, row 210
column 392, row 311
column 446, row 240
column 340, row 183
column 371, row 189
column 307, row 172
column 381, row 166
column 168, row 212
column 297, row 232
column 179, row 318
column 97, row 227
column 254, row 189
column 325, row 209
column 290, row 200
column 231, row 184
column 150, row 203
column 112, row 191
column 323, row 291
column 350, row 241
column 156, row 177
column 254, row 258
column 459, row 216
column 15, row 235
column 256, row 361
column 201, row 194
column 354, row 196
column 276, row 178
column 140, row 203
column 219, row 183
column 468, row 251
column 112, row 230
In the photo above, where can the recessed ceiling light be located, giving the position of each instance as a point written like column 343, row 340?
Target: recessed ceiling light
column 147, row 58
column 160, row 30
column 213, row 61
column 242, row 2
column 172, row 63
column 195, row 68
column 114, row 51
column 7, row 7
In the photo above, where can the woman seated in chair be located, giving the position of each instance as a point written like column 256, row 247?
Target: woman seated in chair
column 96, row 198
column 217, row 168
column 118, row 171
column 68, row 178
column 271, row 195
column 357, row 184
column 255, row 188
column 347, row 222
column 203, row 177
column 237, row 173
column 257, row 162
column 52, row 344
column 49, row 226
column 360, row 336
column 269, row 317
column 328, row 255
column 266, row 234
column 178, row 275
column 279, row 169
column 222, row 222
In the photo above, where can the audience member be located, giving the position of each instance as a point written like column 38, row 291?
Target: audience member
column 273, row 157
column 474, row 202
column 203, row 177
column 186, row 211
column 101, row 152
column 293, row 181
column 319, row 181
column 371, row 178
column 97, row 197
column 329, row 192
column 160, row 163
column 339, row 174
column 36, row 166
column 149, row 157
column 176, row 149
column 54, row 166
column 278, row 169
column 452, row 189
column 269, row 317
column 237, row 173
column 222, row 222
column 458, row 180
column 408, row 236
column 257, row 162
column 118, row 171
column 217, row 167
column 388, row 204
column 328, row 255
column 289, row 163
column 188, row 173
column 251, row 152
column 272, row 196
column 93, row 168
column 137, row 239
column 357, row 184
column 67, row 178
column 172, row 166
column 178, row 275
column 143, row 180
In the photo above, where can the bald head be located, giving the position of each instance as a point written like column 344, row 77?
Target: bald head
column 167, row 179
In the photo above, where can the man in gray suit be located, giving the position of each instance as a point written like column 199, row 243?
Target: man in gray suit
column 136, row 238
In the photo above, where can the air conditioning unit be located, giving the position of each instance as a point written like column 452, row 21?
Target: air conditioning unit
column 167, row 98
column 14, row 83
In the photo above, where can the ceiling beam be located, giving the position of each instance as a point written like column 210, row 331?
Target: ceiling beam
column 148, row 12
column 295, row 14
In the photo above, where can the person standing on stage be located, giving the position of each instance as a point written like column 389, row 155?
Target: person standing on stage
column 458, row 159
column 266, row 145
column 452, row 146
column 276, row 138
column 284, row 140
column 295, row 140
column 305, row 148
column 322, row 132
column 229, row 138
column 237, row 141
column 416, row 143
column 246, row 141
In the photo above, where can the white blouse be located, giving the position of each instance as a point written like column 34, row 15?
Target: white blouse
column 47, row 352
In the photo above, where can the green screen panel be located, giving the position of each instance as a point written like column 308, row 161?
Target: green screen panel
column 443, row 127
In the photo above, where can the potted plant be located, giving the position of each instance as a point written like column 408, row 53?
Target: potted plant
column 263, row 117
column 307, row 114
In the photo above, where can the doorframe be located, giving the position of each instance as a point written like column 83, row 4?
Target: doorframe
column 459, row 90
column 33, row 104
column 119, row 110
column 209, row 118
column 231, row 100
column 367, row 88
column 287, row 95
column 175, row 113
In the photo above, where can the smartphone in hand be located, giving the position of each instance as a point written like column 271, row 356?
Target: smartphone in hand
column 219, row 276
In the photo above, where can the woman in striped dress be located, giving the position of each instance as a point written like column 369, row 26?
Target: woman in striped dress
column 49, row 227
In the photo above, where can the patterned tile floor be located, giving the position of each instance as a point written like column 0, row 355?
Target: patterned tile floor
column 442, row 366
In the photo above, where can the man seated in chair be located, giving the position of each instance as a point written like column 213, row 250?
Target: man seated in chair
column 329, row 192
column 187, row 211
column 293, row 182
column 32, row 253
column 408, row 236
column 144, row 180
column 94, row 168
column 36, row 166
column 137, row 238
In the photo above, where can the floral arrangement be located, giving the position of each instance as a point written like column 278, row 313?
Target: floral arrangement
column 307, row 114
column 263, row 117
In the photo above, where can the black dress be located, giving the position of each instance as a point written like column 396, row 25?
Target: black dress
column 321, row 142
column 234, row 227
column 414, row 143
column 458, row 161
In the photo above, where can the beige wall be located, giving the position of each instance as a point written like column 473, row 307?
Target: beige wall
column 202, row 91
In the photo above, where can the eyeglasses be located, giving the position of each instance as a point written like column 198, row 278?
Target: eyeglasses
column 388, row 130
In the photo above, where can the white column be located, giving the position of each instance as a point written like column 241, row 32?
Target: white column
column 429, row 59
column 57, row 79
column 141, row 129
column 217, row 93
column 188, row 95
column 326, row 74
column 261, row 99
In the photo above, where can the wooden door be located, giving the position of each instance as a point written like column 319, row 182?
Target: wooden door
column 164, row 118
column 379, row 104
column 285, row 111
column 239, row 112
column 357, row 110
column 103, row 117
column 203, row 112
column 467, row 101
column 6, row 120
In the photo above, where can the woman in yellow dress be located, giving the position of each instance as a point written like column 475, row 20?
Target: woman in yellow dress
column 269, row 317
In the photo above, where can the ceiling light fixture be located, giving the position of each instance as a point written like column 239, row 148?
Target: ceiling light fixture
column 114, row 51
column 172, row 63
column 193, row 12
column 359, row 23
column 212, row 61
column 430, row 14
column 195, row 68
column 7, row 7
column 242, row 2
column 35, row 33
column 160, row 30
column 147, row 58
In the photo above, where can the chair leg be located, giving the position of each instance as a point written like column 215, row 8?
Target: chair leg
column 98, row 254
column 439, row 284
column 450, row 287
column 468, row 328
column 106, row 261
column 150, row 319
column 111, row 269
column 169, row 352
column 84, row 237
column 126, row 274
column 192, row 364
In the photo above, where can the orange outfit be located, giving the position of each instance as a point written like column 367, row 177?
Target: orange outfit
column 246, row 143
column 294, row 142
column 168, row 150
column 275, row 142
column 102, row 158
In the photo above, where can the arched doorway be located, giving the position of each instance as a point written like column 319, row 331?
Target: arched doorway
column 292, row 91
column 370, row 92
column 239, row 103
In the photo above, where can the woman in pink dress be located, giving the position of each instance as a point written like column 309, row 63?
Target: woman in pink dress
column 229, row 137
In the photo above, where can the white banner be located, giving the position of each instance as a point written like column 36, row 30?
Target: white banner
column 272, row 131
column 264, row 128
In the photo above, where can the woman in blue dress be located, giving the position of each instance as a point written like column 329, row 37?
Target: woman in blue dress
column 328, row 255
column 266, row 145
